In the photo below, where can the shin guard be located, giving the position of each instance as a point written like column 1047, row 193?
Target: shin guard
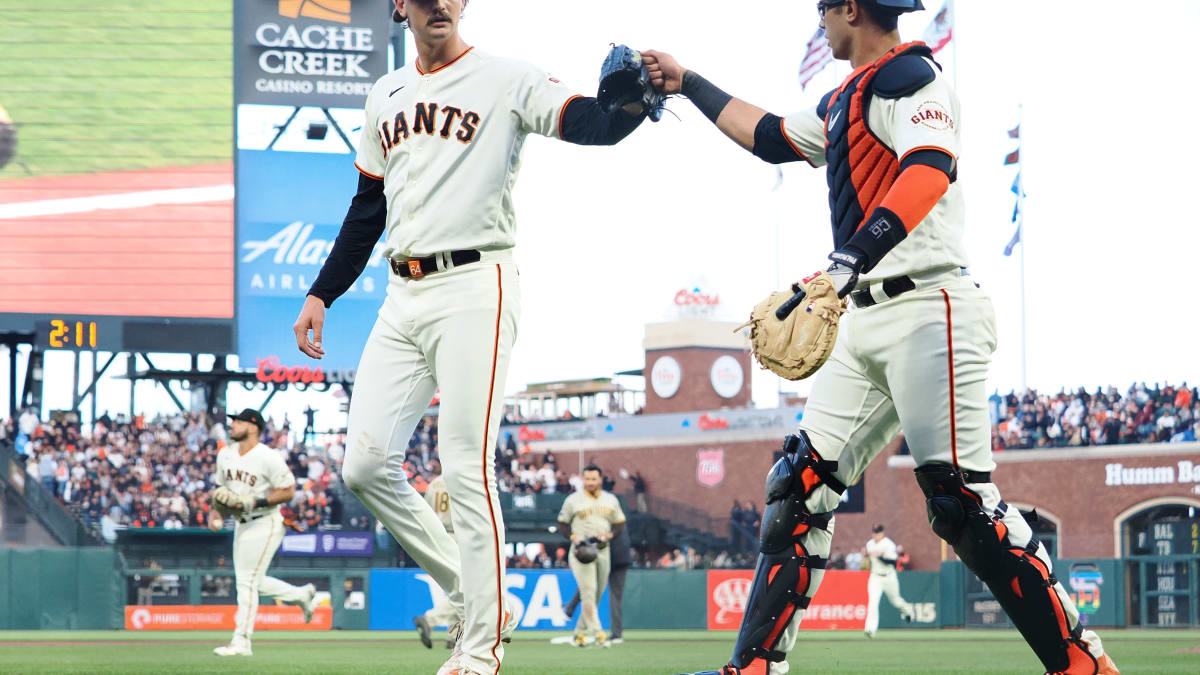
column 783, row 577
column 1021, row 581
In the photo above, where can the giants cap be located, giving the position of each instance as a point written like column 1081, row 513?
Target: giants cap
column 877, row 529
column 250, row 415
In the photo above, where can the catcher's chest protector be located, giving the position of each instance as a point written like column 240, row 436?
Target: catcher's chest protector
column 861, row 167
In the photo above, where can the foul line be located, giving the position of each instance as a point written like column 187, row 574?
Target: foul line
column 124, row 200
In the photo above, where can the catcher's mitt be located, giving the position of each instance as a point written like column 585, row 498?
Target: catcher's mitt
column 624, row 80
column 586, row 551
column 227, row 502
column 797, row 345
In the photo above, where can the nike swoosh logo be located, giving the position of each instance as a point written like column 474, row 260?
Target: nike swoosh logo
column 834, row 120
column 396, row 89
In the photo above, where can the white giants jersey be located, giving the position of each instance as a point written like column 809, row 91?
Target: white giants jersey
column 928, row 119
column 447, row 145
column 257, row 472
column 886, row 550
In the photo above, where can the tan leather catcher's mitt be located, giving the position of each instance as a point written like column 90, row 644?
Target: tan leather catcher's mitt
column 796, row 346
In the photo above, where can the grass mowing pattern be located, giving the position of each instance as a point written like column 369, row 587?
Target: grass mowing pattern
column 644, row 653
column 121, row 84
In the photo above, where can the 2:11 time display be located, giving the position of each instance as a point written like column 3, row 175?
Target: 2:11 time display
column 72, row 334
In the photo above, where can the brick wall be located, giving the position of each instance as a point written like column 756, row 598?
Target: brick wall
column 695, row 388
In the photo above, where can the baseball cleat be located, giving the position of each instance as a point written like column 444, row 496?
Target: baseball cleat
column 1106, row 666
column 602, row 640
column 424, row 632
column 510, row 626
column 617, row 641
column 869, row 633
column 309, row 603
column 755, row 668
column 455, row 666
column 580, row 640
column 233, row 650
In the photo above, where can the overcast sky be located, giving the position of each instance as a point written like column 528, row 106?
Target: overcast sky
column 607, row 236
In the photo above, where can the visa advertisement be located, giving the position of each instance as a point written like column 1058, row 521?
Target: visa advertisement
column 536, row 596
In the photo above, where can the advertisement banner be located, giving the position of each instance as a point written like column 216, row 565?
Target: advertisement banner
column 536, row 596
column 328, row 544
column 222, row 617
column 323, row 53
column 840, row 603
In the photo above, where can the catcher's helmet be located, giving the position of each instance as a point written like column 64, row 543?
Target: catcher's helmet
column 586, row 551
column 898, row 6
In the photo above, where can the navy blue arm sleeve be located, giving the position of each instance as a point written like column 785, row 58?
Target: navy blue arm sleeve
column 584, row 123
column 364, row 223
column 769, row 143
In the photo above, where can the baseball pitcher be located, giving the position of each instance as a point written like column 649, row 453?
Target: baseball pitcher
column 913, row 352
column 591, row 518
column 880, row 550
column 252, row 481
column 439, row 155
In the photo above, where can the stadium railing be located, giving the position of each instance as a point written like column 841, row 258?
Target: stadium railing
column 41, row 502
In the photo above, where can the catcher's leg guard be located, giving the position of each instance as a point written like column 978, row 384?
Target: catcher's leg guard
column 1021, row 581
column 783, row 579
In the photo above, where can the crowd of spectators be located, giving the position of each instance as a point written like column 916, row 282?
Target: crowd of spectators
column 1143, row 414
column 153, row 473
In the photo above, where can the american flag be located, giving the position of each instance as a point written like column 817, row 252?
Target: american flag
column 816, row 58
column 941, row 31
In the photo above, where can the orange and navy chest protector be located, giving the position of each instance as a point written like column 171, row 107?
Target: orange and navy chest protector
column 861, row 167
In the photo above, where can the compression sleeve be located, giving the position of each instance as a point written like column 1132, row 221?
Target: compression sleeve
column 364, row 224
column 585, row 123
column 914, row 194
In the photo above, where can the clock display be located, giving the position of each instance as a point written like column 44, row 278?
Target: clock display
column 68, row 333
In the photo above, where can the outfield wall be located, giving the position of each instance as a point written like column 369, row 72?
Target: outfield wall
column 86, row 589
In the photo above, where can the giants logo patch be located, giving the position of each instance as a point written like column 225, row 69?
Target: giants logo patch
column 933, row 115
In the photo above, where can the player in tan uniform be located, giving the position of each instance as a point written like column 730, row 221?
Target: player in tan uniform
column 912, row 354
column 260, row 475
column 595, row 514
column 439, row 155
column 442, row 613
column 880, row 550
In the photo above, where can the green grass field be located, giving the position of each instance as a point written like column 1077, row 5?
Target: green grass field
column 124, row 84
column 644, row 653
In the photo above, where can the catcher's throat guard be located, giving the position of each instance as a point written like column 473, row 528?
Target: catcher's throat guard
column 783, row 575
column 1020, row 580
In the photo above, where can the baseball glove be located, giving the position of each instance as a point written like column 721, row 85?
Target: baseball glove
column 624, row 81
column 227, row 502
column 586, row 551
column 800, row 342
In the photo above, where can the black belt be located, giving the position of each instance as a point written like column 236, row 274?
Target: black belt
column 256, row 516
column 891, row 288
column 419, row 267
column 976, row 476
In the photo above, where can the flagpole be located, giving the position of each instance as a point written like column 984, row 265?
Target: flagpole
column 1024, row 242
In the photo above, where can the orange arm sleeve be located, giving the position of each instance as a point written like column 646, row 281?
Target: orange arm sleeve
column 916, row 190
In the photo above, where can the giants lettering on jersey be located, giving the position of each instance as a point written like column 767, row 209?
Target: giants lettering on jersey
column 431, row 119
column 243, row 476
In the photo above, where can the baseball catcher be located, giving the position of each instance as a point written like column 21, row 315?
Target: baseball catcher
column 912, row 355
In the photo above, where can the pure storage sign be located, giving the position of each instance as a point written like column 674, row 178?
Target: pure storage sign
column 324, row 53
column 840, row 602
column 222, row 617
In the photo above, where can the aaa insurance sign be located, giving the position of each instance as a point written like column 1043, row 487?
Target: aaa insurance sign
column 324, row 53
column 840, row 602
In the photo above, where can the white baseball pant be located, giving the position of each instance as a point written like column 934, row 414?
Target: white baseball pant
column 254, row 545
column 453, row 331
column 877, row 585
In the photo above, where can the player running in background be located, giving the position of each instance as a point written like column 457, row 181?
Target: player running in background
column 881, row 551
column 591, row 513
column 914, row 352
column 439, row 155
column 442, row 613
column 261, row 476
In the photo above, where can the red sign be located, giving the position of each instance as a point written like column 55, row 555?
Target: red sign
column 221, row 617
column 840, row 602
column 695, row 297
column 710, row 467
column 270, row 370
column 525, row 434
column 707, row 423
